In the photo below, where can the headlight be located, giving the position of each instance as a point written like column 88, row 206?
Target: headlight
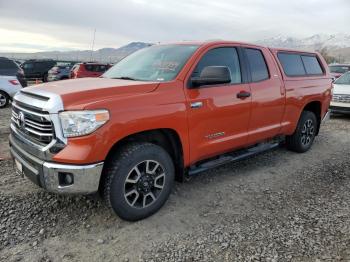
column 80, row 123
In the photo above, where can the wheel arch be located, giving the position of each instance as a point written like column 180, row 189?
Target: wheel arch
column 6, row 94
column 167, row 138
column 316, row 108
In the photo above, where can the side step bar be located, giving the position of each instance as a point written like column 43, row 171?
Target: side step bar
column 232, row 157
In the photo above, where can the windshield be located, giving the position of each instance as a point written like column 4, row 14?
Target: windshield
column 343, row 80
column 156, row 63
column 339, row 69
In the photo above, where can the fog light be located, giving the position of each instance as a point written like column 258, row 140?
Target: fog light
column 65, row 179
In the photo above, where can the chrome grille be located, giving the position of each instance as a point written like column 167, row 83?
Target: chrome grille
column 341, row 98
column 34, row 125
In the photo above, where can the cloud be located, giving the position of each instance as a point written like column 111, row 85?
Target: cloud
column 70, row 24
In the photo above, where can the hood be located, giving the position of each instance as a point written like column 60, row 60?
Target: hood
column 77, row 93
column 341, row 89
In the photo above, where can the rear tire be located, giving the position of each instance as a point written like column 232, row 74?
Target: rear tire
column 305, row 133
column 4, row 99
column 45, row 79
column 138, row 180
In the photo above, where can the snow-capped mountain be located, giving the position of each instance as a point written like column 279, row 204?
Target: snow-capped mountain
column 109, row 55
column 318, row 41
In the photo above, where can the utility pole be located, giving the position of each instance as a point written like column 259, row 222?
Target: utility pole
column 93, row 44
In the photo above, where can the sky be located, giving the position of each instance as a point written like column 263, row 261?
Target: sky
column 44, row 25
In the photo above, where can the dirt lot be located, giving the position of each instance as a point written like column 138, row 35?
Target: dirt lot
column 279, row 206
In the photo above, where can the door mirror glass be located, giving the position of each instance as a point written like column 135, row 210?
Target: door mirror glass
column 212, row 75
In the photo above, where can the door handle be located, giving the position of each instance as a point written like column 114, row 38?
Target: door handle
column 243, row 95
column 196, row 105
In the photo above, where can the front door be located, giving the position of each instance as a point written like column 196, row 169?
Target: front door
column 218, row 116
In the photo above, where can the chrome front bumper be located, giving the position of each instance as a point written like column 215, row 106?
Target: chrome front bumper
column 338, row 107
column 86, row 178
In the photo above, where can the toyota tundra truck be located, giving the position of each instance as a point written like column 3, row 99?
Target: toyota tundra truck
column 165, row 113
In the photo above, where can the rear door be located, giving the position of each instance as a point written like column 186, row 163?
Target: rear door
column 28, row 69
column 91, row 70
column 218, row 120
column 39, row 69
column 268, row 95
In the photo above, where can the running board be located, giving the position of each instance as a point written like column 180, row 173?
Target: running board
column 232, row 157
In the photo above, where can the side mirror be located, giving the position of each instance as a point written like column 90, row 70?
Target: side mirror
column 212, row 75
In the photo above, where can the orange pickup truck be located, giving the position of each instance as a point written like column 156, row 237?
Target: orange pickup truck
column 165, row 113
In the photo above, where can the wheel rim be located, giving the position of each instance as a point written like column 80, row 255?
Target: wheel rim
column 307, row 132
column 3, row 100
column 144, row 184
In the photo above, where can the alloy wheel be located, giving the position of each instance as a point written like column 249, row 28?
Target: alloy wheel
column 144, row 184
column 3, row 100
column 307, row 132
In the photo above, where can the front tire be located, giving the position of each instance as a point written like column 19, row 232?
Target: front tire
column 138, row 180
column 304, row 136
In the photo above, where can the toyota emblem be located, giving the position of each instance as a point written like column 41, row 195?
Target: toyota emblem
column 21, row 120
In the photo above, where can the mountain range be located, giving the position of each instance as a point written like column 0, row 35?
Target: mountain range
column 313, row 42
column 107, row 55
column 335, row 45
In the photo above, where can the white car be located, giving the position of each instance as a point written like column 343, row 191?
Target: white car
column 9, row 86
column 341, row 95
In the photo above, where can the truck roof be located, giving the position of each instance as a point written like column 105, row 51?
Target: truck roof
column 218, row 42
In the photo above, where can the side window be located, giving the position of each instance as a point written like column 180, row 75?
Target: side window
column 292, row 64
column 39, row 66
column 28, row 66
column 257, row 65
column 223, row 56
column 7, row 64
column 102, row 68
column 89, row 67
column 312, row 66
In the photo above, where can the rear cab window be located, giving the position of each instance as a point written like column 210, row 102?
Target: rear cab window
column 299, row 64
column 292, row 64
column 312, row 66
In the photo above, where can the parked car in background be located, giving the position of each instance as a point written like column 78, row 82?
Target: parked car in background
column 167, row 112
column 9, row 67
column 9, row 86
column 37, row 68
column 341, row 95
column 81, row 70
column 338, row 69
column 59, row 72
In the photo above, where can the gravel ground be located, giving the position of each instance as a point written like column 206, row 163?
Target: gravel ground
column 278, row 206
column 5, row 115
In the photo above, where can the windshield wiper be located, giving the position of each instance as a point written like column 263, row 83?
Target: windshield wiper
column 126, row 78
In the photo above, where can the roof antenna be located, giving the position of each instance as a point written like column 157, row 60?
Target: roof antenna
column 93, row 44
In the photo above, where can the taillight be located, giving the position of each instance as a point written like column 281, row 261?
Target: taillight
column 14, row 82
